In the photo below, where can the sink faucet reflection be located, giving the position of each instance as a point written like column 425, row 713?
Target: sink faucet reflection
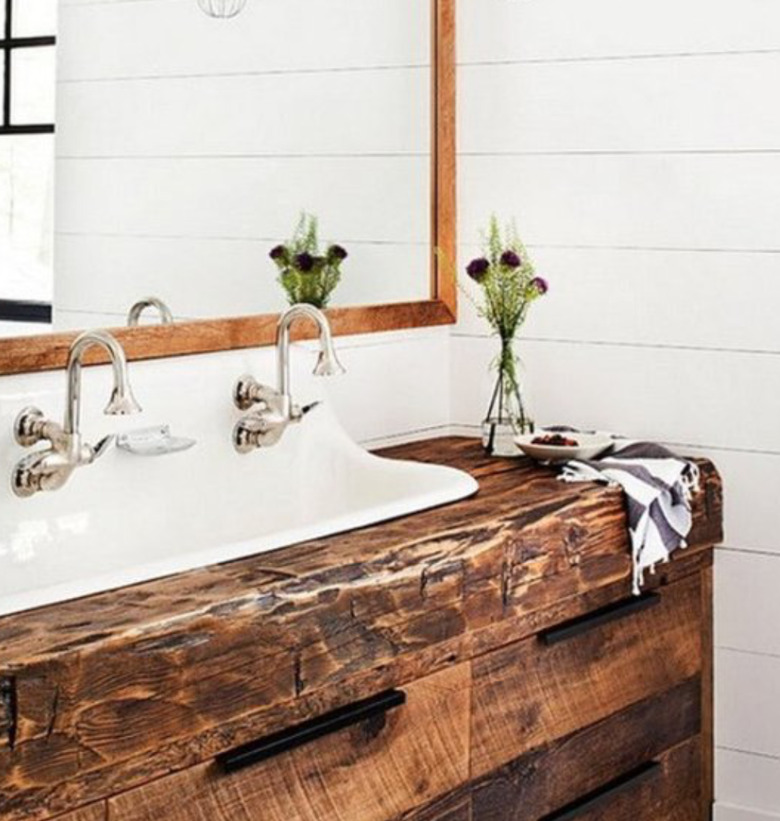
column 276, row 410
column 134, row 315
column 50, row 468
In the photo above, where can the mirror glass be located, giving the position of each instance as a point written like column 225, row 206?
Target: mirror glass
column 183, row 148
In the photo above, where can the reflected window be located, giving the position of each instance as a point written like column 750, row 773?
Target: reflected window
column 28, row 78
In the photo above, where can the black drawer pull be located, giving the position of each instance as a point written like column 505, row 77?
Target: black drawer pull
column 277, row 743
column 597, row 618
column 607, row 793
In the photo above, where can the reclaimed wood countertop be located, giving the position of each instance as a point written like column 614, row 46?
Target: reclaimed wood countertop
column 88, row 687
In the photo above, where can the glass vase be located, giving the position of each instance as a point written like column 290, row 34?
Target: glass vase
column 507, row 415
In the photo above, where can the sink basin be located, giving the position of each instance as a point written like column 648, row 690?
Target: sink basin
column 316, row 482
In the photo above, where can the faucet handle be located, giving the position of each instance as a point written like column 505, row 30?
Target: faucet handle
column 257, row 430
column 245, row 392
column 39, row 471
column 248, row 392
column 30, row 427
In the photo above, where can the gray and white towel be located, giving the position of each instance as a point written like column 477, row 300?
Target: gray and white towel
column 658, row 487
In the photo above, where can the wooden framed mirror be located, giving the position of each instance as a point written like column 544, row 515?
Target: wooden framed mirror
column 27, row 353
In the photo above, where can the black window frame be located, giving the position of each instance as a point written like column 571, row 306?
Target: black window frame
column 20, row 310
column 8, row 45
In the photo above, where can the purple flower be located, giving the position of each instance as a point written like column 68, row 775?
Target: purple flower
column 278, row 252
column 540, row 284
column 337, row 252
column 304, row 262
column 511, row 260
column 477, row 269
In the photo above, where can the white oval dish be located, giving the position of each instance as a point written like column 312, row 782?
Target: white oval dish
column 589, row 446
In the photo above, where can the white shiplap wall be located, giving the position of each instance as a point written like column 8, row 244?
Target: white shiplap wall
column 638, row 145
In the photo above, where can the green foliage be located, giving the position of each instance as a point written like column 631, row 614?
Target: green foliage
column 507, row 291
column 305, row 274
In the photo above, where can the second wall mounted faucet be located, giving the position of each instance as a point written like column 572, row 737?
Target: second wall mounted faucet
column 273, row 409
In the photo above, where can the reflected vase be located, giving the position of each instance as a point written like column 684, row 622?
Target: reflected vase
column 507, row 414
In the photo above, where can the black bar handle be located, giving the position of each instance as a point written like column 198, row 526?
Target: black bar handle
column 597, row 618
column 256, row 751
column 607, row 793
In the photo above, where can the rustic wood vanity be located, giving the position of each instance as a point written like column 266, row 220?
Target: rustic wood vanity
column 483, row 661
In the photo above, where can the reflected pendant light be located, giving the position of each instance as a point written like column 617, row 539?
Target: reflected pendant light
column 223, row 9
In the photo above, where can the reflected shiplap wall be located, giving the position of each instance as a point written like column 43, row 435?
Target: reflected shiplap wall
column 638, row 144
column 187, row 146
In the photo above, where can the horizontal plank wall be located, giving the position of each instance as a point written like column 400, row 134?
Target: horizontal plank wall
column 639, row 148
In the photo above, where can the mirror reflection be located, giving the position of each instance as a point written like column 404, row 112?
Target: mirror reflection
column 184, row 149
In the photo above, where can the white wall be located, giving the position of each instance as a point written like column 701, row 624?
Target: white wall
column 638, row 145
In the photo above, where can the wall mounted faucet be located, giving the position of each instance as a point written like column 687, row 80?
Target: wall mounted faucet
column 166, row 317
column 276, row 410
column 50, row 468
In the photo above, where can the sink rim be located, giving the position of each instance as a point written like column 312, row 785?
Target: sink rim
column 460, row 485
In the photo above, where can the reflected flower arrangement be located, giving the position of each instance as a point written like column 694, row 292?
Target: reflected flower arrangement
column 305, row 273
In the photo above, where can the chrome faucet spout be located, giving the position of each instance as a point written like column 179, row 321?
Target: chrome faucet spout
column 134, row 314
column 327, row 362
column 121, row 402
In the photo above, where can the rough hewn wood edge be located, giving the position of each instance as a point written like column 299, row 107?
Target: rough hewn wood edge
column 34, row 637
column 28, row 354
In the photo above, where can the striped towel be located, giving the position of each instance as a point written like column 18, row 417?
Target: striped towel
column 658, row 487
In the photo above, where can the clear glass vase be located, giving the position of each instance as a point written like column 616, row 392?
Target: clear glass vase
column 507, row 415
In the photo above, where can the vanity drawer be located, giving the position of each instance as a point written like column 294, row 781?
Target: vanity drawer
column 550, row 686
column 388, row 763
column 590, row 768
column 662, row 789
column 667, row 789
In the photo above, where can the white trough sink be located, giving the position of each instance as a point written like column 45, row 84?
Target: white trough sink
column 143, row 518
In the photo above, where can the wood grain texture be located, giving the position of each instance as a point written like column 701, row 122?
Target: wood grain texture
column 457, row 808
column 372, row 772
column 94, row 812
column 529, row 692
column 49, row 352
column 117, row 689
column 559, row 772
column 46, row 352
column 444, row 217
column 7, row 711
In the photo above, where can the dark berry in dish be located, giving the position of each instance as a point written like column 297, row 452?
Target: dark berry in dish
column 555, row 440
